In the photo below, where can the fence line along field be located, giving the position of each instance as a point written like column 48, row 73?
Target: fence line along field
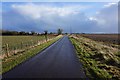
column 13, row 44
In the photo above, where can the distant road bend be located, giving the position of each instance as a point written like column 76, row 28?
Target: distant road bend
column 57, row 61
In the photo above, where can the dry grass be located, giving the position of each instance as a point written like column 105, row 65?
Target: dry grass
column 99, row 60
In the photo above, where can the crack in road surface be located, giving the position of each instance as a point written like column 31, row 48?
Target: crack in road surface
column 57, row 61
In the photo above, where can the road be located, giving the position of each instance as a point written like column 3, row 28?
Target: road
column 57, row 61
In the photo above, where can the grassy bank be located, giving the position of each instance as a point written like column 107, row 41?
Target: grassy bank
column 99, row 61
column 12, row 61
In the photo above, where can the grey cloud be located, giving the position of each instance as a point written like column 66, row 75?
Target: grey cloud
column 79, row 22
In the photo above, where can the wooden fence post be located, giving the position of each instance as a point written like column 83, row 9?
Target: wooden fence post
column 21, row 45
column 7, row 50
column 14, row 50
column 31, row 43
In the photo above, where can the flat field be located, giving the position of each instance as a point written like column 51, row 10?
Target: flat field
column 12, row 43
column 16, row 40
column 107, row 38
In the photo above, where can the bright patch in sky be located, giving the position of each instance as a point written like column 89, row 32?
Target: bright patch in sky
column 80, row 16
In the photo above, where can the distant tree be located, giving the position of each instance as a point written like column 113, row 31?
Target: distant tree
column 38, row 33
column 82, row 33
column 45, row 33
column 51, row 32
column 27, row 33
column 7, row 32
column 33, row 33
column 59, row 31
column 0, row 32
column 14, row 32
column 22, row 33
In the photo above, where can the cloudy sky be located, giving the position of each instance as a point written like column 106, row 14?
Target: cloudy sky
column 90, row 17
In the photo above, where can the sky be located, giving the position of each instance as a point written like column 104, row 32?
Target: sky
column 76, row 17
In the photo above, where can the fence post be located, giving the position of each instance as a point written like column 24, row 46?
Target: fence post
column 14, row 50
column 21, row 45
column 32, row 43
column 7, row 47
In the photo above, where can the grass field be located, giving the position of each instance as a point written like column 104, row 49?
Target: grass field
column 16, row 40
column 100, row 60
column 10, row 44
column 10, row 62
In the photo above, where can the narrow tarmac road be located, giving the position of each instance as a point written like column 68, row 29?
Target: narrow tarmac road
column 57, row 61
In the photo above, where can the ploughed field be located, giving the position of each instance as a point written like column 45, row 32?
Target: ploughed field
column 107, row 38
column 99, row 53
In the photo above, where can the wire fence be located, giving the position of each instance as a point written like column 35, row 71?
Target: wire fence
column 8, row 50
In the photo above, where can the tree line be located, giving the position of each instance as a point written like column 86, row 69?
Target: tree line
column 7, row 32
column 19, row 33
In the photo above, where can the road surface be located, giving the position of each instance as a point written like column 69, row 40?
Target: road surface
column 57, row 61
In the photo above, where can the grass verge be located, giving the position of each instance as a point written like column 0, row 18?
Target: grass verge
column 95, row 61
column 11, row 62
